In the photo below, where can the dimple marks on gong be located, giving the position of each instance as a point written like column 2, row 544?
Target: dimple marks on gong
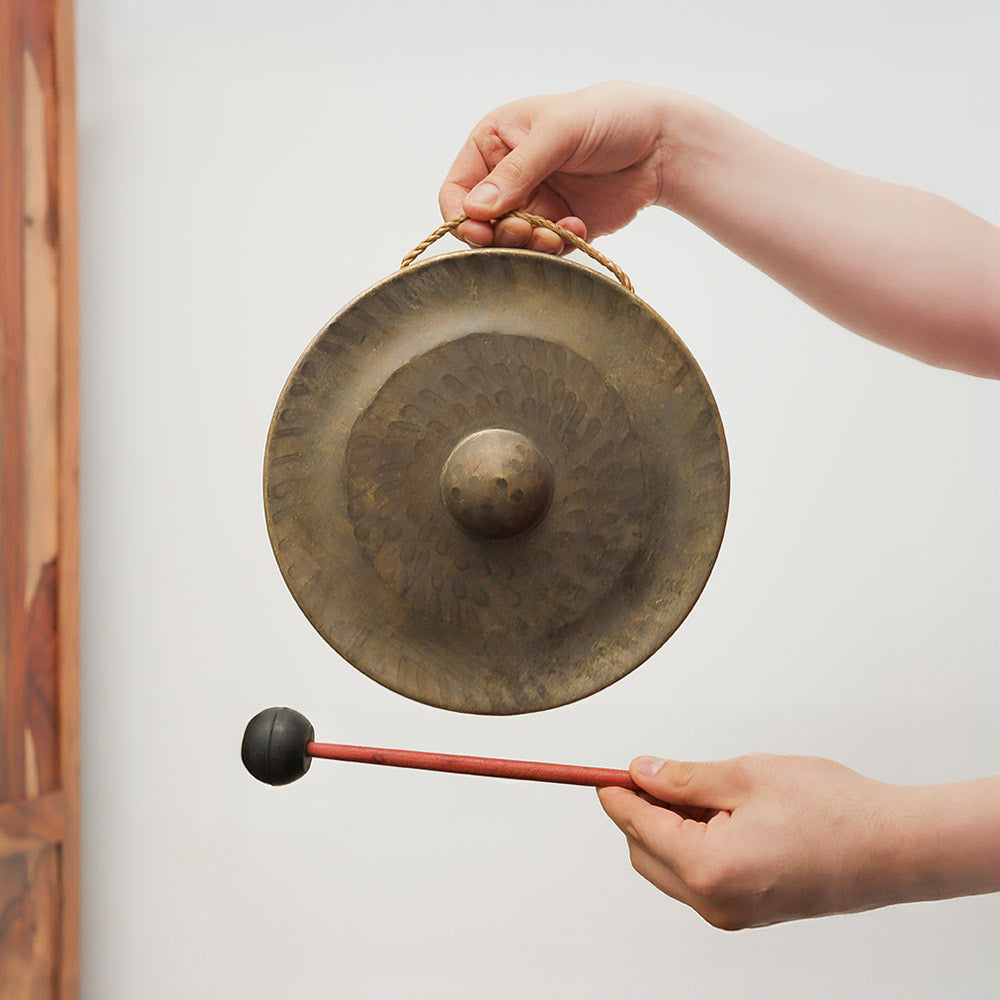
column 539, row 581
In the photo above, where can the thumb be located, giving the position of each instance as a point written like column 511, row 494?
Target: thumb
column 510, row 184
column 721, row 784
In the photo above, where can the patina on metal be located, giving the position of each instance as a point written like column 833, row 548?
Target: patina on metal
column 496, row 482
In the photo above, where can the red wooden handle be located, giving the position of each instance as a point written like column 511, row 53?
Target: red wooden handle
column 493, row 767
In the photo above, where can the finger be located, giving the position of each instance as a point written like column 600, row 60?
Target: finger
column 653, row 870
column 547, row 241
column 511, row 232
column 469, row 168
column 722, row 784
column 635, row 817
column 476, row 234
column 549, row 205
column 510, row 183
column 673, row 840
column 576, row 226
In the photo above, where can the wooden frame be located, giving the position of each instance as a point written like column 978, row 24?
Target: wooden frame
column 39, row 533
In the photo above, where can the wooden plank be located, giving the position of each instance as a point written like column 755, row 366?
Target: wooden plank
column 30, row 918
column 12, row 451
column 68, row 570
column 27, row 824
column 40, row 253
column 39, row 533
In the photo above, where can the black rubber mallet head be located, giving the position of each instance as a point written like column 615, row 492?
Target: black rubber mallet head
column 274, row 745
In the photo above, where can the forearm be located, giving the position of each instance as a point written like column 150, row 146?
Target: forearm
column 949, row 840
column 904, row 268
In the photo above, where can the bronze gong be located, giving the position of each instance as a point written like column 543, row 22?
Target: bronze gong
column 496, row 482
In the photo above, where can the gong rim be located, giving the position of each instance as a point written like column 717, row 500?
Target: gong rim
column 323, row 490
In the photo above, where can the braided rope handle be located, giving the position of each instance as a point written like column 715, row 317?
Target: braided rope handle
column 535, row 220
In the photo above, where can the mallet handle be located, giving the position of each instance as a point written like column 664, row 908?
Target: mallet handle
column 492, row 767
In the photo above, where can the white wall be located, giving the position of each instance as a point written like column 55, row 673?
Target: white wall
column 247, row 168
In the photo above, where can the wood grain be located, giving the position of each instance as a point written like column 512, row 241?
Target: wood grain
column 11, row 400
column 32, row 822
column 39, row 534
column 30, row 918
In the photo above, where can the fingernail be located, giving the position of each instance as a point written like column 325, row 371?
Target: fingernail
column 474, row 243
column 485, row 195
column 649, row 765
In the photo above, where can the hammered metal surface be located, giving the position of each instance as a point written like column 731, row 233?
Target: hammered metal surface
column 522, row 586
column 497, row 484
column 540, row 347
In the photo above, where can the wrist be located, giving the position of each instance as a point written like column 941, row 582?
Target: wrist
column 692, row 142
column 949, row 840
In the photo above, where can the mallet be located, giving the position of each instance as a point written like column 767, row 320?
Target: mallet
column 278, row 747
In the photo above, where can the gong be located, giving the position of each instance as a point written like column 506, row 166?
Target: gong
column 496, row 482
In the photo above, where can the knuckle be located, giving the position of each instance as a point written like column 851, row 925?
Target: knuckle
column 635, row 857
column 514, row 168
column 704, row 882
column 682, row 773
column 486, row 134
column 631, row 832
column 487, row 140
column 753, row 767
column 710, row 878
